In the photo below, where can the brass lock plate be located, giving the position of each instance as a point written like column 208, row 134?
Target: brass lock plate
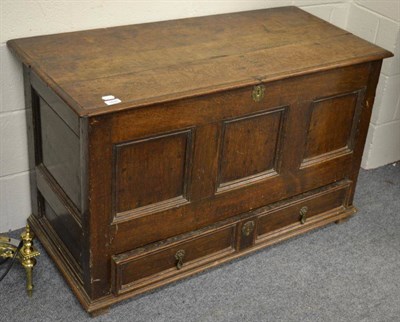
column 258, row 93
column 247, row 228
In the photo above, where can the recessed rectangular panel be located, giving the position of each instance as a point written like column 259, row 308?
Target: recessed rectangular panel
column 151, row 174
column 332, row 125
column 249, row 147
column 65, row 227
column 60, row 152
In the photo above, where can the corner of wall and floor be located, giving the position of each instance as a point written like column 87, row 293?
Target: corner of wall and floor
column 377, row 21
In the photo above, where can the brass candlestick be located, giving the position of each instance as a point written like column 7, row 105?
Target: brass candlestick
column 26, row 254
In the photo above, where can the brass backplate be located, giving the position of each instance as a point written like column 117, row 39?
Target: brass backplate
column 247, row 228
column 258, row 93
column 180, row 254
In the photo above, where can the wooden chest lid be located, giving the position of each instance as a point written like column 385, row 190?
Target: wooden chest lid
column 162, row 61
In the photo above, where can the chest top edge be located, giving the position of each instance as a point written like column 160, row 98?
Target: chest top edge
column 158, row 62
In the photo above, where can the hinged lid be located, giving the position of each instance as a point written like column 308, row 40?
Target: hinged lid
column 155, row 62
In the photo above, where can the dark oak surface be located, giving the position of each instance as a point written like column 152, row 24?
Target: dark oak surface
column 156, row 62
column 190, row 160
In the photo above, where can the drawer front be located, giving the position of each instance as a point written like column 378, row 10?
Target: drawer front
column 146, row 266
column 186, row 254
column 302, row 212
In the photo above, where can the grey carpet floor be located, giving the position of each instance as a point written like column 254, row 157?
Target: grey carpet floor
column 348, row 272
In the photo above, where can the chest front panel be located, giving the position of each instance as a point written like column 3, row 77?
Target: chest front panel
column 175, row 167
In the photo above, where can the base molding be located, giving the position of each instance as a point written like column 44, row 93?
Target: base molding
column 50, row 244
column 101, row 305
column 342, row 221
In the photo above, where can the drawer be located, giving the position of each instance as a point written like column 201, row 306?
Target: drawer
column 167, row 259
column 306, row 210
column 172, row 259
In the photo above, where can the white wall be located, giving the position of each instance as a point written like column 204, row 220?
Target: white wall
column 23, row 18
column 379, row 22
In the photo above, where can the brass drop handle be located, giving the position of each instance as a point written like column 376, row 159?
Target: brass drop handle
column 180, row 254
column 303, row 215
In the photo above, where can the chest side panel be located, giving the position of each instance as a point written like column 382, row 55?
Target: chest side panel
column 57, row 176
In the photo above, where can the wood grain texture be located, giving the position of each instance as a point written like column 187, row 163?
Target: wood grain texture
column 57, row 104
column 62, row 217
column 152, row 173
column 157, row 62
column 98, row 305
column 204, row 110
column 99, row 214
column 288, row 103
column 33, row 137
column 289, row 215
column 363, row 122
column 60, row 152
column 249, row 146
column 330, row 125
column 136, row 269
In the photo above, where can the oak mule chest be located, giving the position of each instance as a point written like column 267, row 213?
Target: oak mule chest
column 165, row 148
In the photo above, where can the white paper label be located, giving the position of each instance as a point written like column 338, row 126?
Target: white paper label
column 107, row 97
column 112, row 102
